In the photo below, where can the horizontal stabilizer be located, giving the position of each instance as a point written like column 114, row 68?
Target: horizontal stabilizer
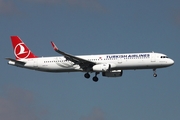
column 15, row 61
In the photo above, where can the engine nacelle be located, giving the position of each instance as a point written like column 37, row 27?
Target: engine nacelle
column 114, row 73
column 101, row 67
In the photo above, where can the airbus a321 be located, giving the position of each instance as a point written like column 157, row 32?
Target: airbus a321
column 110, row 65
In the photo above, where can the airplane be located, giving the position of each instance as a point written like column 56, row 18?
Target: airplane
column 110, row 65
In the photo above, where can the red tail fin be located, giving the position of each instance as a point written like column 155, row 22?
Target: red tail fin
column 21, row 51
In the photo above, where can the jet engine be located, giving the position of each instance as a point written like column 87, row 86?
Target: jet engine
column 114, row 73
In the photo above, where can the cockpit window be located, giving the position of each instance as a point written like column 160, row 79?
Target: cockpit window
column 164, row 56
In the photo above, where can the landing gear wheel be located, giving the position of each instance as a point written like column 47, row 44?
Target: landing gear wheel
column 155, row 75
column 87, row 75
column 95, row 79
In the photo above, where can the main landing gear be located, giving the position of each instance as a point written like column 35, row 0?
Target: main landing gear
column 87, row 75
column 95, row 78
column 155, row 75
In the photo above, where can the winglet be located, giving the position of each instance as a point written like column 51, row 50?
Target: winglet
column 54, row 46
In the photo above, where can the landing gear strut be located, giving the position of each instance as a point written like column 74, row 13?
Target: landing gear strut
column 95, row 78
column 155, row 75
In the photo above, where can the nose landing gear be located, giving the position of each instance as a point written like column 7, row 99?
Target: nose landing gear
column 155, row 75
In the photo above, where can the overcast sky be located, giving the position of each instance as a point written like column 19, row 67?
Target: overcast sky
column 90, row 27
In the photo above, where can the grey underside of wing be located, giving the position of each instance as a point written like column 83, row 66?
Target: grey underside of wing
column 76, row 60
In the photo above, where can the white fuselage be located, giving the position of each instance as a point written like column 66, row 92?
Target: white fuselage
column 118, row 62
column 110, row 65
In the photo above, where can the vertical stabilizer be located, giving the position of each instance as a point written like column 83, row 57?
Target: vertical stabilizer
column 21, row 51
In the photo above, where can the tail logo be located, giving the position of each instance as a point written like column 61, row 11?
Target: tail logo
column 21, row 51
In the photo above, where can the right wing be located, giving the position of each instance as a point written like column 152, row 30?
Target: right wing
column 84, row 64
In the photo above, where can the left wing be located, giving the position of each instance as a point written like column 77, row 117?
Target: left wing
column 84, row 64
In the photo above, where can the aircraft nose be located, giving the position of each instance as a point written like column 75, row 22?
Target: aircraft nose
column 171, row 62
